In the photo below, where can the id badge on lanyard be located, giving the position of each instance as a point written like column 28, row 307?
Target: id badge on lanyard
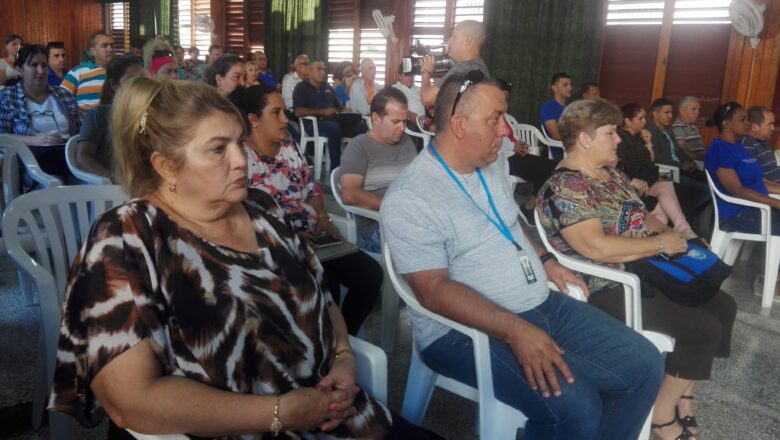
column 498, row 222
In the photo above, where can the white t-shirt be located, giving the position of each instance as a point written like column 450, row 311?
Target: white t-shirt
column 48, row 118
column 412, row 97
column 10, row 72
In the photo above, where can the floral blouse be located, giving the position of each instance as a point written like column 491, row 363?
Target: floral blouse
column 288, row 179
column 569, row 197
column 244, row 322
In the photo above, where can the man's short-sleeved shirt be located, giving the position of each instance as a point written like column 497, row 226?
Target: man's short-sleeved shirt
column 722, row 154
column 688, row 133
column 268, row 78
column 379, row 165
column 413, row 98
column 85, row 82
column 464, row 67
column 428, row 223
column 551, row 109
column 306, row 95
column 289, row 82
column 765, row 157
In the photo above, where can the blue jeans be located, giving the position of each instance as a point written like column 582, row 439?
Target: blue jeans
column 617, row 373
column 749, row 221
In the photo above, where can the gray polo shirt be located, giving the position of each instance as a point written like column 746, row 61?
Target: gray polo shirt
column 428, row 223
column 688, row 133
column 464, row 67
column 379, row 164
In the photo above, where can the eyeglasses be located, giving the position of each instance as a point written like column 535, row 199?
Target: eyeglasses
column 473, row 77
column 43, row 115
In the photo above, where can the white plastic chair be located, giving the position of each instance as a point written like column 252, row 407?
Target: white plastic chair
column 534, row 138
column 728, row 243
column 389, row 297
column 372, row 378
column 84, row 176
column 497, row 420
column 421, row 126
column 320, row 143
column 17, row 155
column 633, row 299
column 58, row 219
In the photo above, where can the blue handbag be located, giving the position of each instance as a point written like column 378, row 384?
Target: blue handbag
column 690, row 279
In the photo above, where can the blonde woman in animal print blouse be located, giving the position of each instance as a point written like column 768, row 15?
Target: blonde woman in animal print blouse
column 194, row 307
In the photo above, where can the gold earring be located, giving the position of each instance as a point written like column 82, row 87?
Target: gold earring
column 171, row 187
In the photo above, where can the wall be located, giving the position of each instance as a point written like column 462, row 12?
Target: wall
column 40, row 21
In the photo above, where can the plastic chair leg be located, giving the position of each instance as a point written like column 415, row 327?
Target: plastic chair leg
column 419, row 389
column 389, row 314
column 732, row 250
column 772, row 259
column 318, row 150
column 719, row 241
column 40, row 384
column 61, row 426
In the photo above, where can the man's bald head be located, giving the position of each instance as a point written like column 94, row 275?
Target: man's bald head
column 471, row 29
column 466, row 40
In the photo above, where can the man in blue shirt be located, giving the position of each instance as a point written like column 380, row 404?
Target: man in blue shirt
column 762, row 125
column 264, row 74
column 58, row 62
column 552, row 109
column 315, row 97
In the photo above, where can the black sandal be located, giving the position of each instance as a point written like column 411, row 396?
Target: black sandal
column 687, row 421
column 685, row 435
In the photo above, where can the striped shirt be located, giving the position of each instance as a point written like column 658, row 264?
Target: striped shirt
column 85, row 82
column 764, row 156
column 688, row 133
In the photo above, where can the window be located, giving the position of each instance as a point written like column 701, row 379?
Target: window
column 430, row 25
column 190, row 33
column 235, row 26
column 373, row 45
column 119, row 26
column 633, row 12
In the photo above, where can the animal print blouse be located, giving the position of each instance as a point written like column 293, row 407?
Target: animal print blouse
column 141, row 276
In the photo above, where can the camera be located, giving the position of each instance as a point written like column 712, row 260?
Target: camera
column 411, row 64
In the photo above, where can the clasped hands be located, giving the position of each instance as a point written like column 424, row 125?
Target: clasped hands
column 326, row 405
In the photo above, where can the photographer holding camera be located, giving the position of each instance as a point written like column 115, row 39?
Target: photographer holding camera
column 464, row 45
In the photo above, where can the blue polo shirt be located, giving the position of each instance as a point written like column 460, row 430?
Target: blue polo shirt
column 307, row 96
column 551, row 109
column 722, row 154
column 53, row 80
column 268, row 78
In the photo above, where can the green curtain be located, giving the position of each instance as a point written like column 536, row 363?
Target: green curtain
column 293, row 27
column 528, row 41
column 152, row 17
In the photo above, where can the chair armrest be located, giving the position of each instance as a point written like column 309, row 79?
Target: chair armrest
column 574, row 291
column 372, row 368
column 363, row 212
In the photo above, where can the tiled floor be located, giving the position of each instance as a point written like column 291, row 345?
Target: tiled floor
column 742, row 401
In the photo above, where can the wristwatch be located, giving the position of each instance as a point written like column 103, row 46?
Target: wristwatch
column 547, row 256
column 276, row 423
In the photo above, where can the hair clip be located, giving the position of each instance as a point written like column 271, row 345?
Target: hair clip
column 142, row 124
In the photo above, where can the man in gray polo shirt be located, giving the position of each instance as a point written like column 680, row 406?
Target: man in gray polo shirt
column 372, row 160
column 452, row 227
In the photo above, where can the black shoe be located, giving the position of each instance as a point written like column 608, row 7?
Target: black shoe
column 527, row 215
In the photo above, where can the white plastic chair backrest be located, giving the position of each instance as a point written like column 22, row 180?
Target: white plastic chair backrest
column 369, row 122
column 11, row 172
column 421, row 125
column 85, row 176
column 481, row 343
column 58, row 219
column 425, row 138
column 335, row 186
column 629, row 281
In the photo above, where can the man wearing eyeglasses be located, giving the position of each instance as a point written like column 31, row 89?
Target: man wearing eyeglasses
column 85, row 81
column 452, row 227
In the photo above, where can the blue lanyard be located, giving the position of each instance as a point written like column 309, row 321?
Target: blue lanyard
column 498, row 222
